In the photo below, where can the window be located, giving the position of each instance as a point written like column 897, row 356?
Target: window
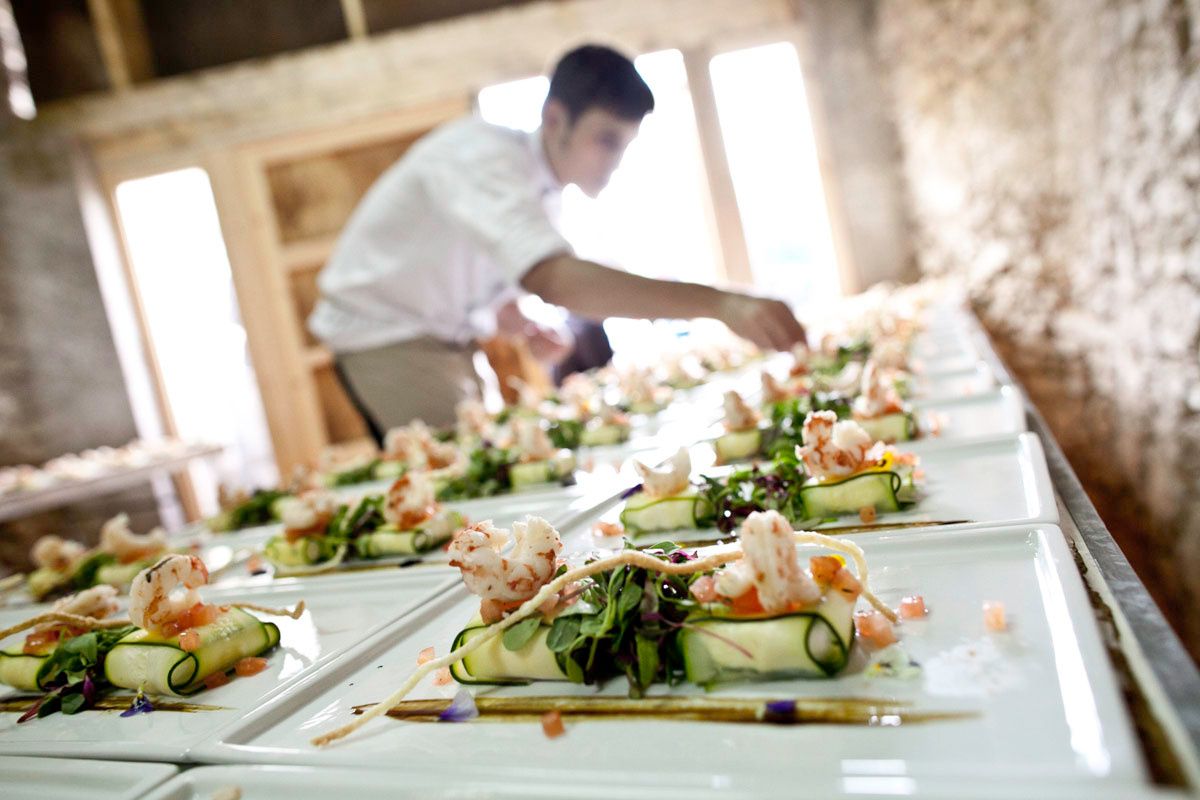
column 182, row 274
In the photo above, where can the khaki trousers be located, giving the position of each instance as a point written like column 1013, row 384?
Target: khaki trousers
column 418, row 379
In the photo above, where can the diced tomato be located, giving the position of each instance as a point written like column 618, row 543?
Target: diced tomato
column 552, row 725
column 442, row 677
column 40, row 642
column 607, row 529
column 913, row 607
column 202, row 614
column 846, row 584
column 189, row 640
column 994, row 617
column 425, row 656
column 250, row 666
column 704, row 589
column 495, row 610
column 748, row 603
column 874, row 628
column 918, row 474
column 173, row 628
column 823, row 568
column 254, row 565
column 216, row 679
column 867, row 514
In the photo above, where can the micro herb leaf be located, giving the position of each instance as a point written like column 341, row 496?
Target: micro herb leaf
column 519, row 635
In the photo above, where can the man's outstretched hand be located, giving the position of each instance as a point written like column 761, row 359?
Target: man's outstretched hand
column 770, row 324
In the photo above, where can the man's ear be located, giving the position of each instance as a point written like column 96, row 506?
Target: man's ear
column 555, row 117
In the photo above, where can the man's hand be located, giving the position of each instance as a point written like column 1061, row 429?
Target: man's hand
column 770, row 324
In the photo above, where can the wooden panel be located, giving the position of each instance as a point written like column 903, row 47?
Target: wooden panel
column 342, row 422
column 315, row 195
column 305, row 295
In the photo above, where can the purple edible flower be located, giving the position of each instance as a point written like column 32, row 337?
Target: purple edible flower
column 461, row 708
column 89, row 691
column 779, row 711
column 140, row 705
column 631, row 491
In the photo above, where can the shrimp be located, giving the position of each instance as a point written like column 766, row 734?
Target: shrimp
column 306, row 514
column 773, row 391
column 801, row 355
column 890, row 353
column 414, row 445
column 55, row 553
column 878, row 395
column 668, row 481
column 472, row 418
column 514, row 577
column 410, row 501
column 118, row 540
column 531, row 440
column 769, row 564
column 152, row 604
column 832, row 448
column 97, row 602
column 738, row 415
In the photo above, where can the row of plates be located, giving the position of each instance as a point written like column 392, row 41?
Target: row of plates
column 1038, row 705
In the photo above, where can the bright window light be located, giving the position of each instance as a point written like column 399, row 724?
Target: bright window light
column 763, row 111
column 516, row 104
column 182, row 274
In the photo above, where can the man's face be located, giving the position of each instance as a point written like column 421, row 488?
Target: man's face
column 587, row 151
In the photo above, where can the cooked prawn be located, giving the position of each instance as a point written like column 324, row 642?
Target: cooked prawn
column 118, row 540
column 97, row 602
column 877, row 395
column 410, row 501
column 669, row 480
column 307, row 513
column 153, row 600
column 738, row 415
column 54, row 552
column 832, row 448
column 770, row 564
column 516, row 576
column 472, row 418
column 774, row 391
column 531, row 440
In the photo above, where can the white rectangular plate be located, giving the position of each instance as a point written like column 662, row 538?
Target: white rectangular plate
column 984, row 482
column 309, row 783
column 341, row 613
column 23, row 777
column 1046, row 706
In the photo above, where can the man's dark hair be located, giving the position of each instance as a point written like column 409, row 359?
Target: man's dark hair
column 594, row 76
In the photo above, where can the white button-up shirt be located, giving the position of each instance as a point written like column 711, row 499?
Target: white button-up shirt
column 440, row 237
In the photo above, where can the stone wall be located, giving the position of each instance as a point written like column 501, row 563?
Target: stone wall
column 1052, row 151
column 61, row 387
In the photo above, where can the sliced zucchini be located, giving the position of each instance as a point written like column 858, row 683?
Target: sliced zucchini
column 719, row 648
column 302, row 552
column 155, row 665
column 603, row 435
column 738, row 446
column 890, row 428
column 120, row 575
column 875, row 490
column 531, row 473
column 644, row 514
column 388, row 541
column 386, row 470
column 494, row 663
column 22, row 670
column 45, row 581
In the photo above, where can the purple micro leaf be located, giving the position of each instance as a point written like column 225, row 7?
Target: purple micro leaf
column 631, row 491
column 461, row 708
column 89, row 690
column 33, row 710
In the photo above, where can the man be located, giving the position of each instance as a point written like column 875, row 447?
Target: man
column 463, row 220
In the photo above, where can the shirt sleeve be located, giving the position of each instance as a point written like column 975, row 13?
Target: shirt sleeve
column 495, row 198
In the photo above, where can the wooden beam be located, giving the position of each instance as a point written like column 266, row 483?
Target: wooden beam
column 355, row 17
column 728, row 220
column 124, row 44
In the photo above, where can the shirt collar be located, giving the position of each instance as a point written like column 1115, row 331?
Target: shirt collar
column 545, row 174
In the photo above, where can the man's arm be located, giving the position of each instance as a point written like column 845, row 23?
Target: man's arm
column 595, row 291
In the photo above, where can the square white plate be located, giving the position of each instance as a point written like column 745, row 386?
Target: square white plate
column 309, row 783
column 340, row 613
column 26, row 778
column 1045, row 705
column 984, row 482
